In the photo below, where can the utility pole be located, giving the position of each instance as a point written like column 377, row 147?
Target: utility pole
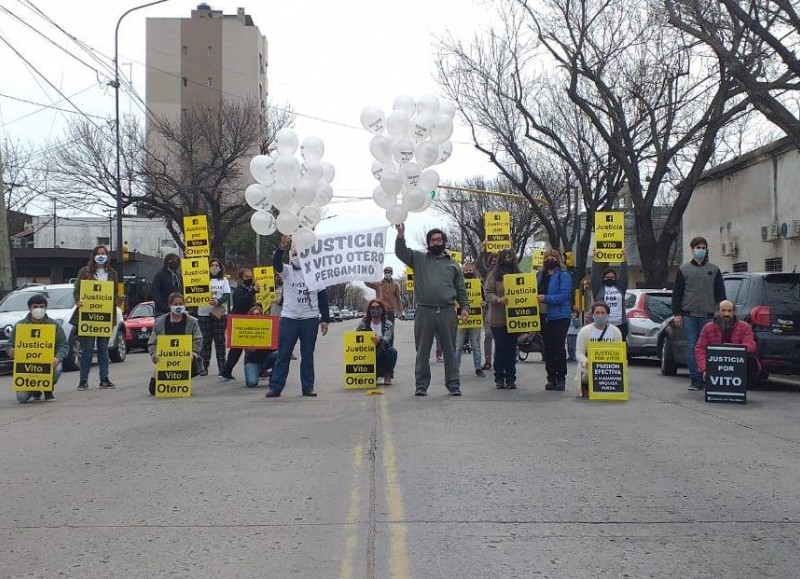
column 5, row 239
column 55, row 221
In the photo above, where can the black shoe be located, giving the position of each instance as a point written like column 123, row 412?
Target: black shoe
column 107, row 384
column 83, row 385
column 500, row 385
column 456, row 392
column 696, row 385
column 48, row 397
column 487, row 366
column 203, row 373
column 420, row 392
column 479, row 373
column 511, row 386
column 560, row 386
column 36, row 395
column 272, row 394
column 311, row 393
column 550, row 385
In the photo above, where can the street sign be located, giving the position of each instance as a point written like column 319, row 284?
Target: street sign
column 726, row 374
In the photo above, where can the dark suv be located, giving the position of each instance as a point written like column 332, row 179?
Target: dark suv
column 770, row 303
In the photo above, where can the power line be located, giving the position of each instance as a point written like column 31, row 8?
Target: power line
column 44, row 106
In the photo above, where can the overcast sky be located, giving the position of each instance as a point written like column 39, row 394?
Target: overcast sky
column 327, row 59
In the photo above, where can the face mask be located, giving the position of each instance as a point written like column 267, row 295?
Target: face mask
column 469, row 274
column 214, row 269
column 387, row 276
column 100, row 259
column 436, row 249
column 609, row 282
column 247, row 282
column 601, row 319
column 375, row 312
column 38, row 313
column 177, row 310
column 550, row 264
column 172, row 265
column 698, row 254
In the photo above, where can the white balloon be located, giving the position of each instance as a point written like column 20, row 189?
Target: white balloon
column 421, row 126
column 428, row 104
column 410, row 173
column 406, row 104
column 381, row 148
column 257, row 197
column 373, row 120
column 396, row 215
column 426, row 153
column 445, row 150
column 447, row 108
column 383, row 199
column 442, row 129
column 303, row 238
column 428, row 180
column 324, row 194
column 263, row 223
column 311, row 170
column 305, row 192
column 391, row 182
column 403, row 150
column 262, row 168
column 379, row 168
column 309, row 217
column 312, row 149
column 288, row 169
column 286, row 141
column 328, row 172
column 413, row 199
column 398, row 124
column 281, row 196
column 287, row 222
column 428, row 201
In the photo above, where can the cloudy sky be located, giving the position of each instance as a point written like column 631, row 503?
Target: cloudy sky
column 326, row 59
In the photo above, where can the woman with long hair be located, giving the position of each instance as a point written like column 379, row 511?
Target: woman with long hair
column 377, row 321
column 213, row 317
column 257, row 361
column 505, row 343
column 555, row 307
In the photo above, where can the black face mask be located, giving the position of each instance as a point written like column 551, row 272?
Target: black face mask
column 469, row 275
column 507, row 265
column 436, row 249
column 247, row 282
column 609, row 282
column 172, row 265
column 550, row 264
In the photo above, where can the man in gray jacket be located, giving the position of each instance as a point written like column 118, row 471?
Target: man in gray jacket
column 438, row 284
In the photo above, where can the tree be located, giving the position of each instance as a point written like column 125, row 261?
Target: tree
column 337, row 294
column 21, row 175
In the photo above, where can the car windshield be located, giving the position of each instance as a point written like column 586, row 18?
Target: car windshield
column 783, row 293
column 659, row 306
column 142, row 311
column 57, row 299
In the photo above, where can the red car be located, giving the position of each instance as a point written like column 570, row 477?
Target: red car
column 139, row 325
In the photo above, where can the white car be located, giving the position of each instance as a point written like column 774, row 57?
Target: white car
column 60, row 307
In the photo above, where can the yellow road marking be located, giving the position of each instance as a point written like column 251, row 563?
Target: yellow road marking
column 398, row 550
column 351, row 541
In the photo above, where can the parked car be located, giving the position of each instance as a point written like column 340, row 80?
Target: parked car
column 60, row 306
column 646, row 310
column 347, row 314
column 335, row 313
column 139, row 325
column 770, row 303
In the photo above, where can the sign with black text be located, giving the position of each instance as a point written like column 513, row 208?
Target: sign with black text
column 522, row 309
column 96, row 314
column 264, row 278
column 174, row 366
column 475, row 319
column 409, row 280
column 497, row 225
column 359, row 361
column 608, row 371
column 195, row 232
column 609, row 236
column 34, row 353
column 196, row 281
column 726, row 374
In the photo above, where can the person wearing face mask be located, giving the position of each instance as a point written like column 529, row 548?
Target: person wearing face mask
column 388, row 292
column 377, row 322
column 300, row 320
column 698, row 289
column 177, row 322
column 167, row 281
column 727, row 329
column 505, row 343
column 610, row 288
column 97, row 269
column 438, row 285
column 257, row 361
column 555, row 304
column 483, row 265
column 37, row 314
column 243, row 298
column 472, row 336
column 213, row 317
column 600, row 330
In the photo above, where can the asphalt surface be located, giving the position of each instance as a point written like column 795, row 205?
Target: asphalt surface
column 525, row 483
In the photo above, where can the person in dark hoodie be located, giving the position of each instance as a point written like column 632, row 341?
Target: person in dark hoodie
column 243, row 298
column 167, row 281
column 698, row 289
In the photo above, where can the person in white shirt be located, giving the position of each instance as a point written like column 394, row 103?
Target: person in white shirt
column 213, row 316
column 598, row 331
column 377, row 321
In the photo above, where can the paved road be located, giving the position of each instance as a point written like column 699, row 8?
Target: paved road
column 523, row 483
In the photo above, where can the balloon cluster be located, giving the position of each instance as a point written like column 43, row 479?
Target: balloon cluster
column 298, row 190
column 413, row 137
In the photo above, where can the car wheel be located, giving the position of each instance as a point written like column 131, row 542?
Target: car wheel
column 118, row 352
column 668, row 365
column 72, row 362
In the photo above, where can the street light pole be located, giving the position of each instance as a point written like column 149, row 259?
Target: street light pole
column 118, row 179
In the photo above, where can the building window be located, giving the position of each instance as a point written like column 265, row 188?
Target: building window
column 184, row 50
column 103, row 241
column 209, row 51
column 774, row 265
column 208, row 82
column 184, row 81
column 740, row 267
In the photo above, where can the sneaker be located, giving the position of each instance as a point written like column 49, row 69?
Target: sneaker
column 487, row 366
column 226, row 377
column 480, row 373
column 387, row 381
column 311, row 393
column 500, row 385
column 36, row 396
column 696, row 385
column 48, row 397
column 560, row 386
column 511, row 386
column 550, row 385
column 203, row 373
column 272, row 394
column 83, row 385
column 106, row 384
column 456, row 392
column 420, row 392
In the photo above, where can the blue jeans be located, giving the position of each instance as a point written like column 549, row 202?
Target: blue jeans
column 288, row 333
column 23, row 397
column 473, row 335
column 252, row 370
column 385, row 361
column 505, row 356
column 691, row 329
column 572, row 342
column 87, row 349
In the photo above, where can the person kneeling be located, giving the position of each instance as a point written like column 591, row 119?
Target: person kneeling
column 383, row 338
column 599, row 331
column 257, row 361
column 726, row 329
column 177, row 322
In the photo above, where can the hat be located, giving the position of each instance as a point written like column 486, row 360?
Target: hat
column 388, row 268
column 37, row 299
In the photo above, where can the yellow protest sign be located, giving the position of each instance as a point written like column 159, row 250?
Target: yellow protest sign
column 196, row 281
column 264, row 278
column 457, row 256
column 475, row 319
column 522, row 309
column 174, row 366
column 195, row 232
column 537, row 259
column 96, row 315
column 257, row 332
column 497, row 225
column 409, row 279
column 609, row 236
column 34, row 352
column 359, row 361
column 608, row 371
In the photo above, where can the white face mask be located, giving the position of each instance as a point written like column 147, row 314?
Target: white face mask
column 214, row 269
column 38, row 313
column 100, row 259
column 178, row 310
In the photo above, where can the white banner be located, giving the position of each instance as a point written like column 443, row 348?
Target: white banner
column 344, row 257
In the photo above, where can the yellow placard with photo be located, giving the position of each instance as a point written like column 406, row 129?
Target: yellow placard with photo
column 96, row 315
column 608, row 371
column 522, row 309
column 475, row 319
column 409, row 280
column 196, row 281
column 174, row 366
column 609, row 236
column 359, row 361
column 34, row 352
column 264, row 278
column 195, row 234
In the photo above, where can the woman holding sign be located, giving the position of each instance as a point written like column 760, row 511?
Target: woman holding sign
column 505, row 343
column 176, row 322
column 599, row 331
column 97, row 269
column 555, row 305
column 377, row 321
column 213, row 317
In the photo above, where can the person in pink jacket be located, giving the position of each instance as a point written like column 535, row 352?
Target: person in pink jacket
column 726, row 329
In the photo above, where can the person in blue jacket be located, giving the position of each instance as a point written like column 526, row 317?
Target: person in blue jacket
column 555, row 307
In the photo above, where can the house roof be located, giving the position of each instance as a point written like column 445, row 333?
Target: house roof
column 774, row 149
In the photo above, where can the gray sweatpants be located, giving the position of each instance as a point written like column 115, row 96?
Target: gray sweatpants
column 428, row 322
